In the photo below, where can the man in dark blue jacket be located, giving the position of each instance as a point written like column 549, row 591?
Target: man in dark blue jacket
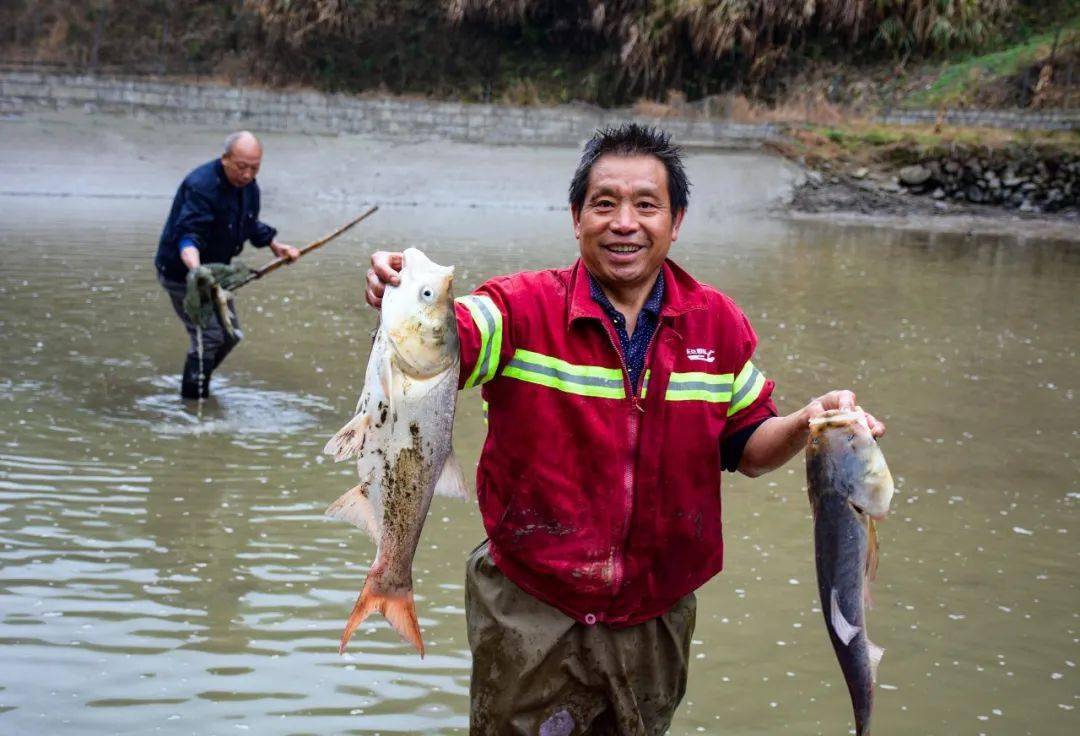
column 215, row 210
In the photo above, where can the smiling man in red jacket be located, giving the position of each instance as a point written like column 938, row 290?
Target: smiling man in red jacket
column 618, row 389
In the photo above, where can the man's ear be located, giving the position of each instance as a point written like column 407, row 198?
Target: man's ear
column 676, row 224
column 575, row 215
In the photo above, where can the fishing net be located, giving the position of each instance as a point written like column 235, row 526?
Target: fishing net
column 208, row 292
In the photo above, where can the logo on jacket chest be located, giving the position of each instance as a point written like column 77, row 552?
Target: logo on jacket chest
column 701, row 354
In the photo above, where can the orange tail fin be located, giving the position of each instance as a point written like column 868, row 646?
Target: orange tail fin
column 399, row 610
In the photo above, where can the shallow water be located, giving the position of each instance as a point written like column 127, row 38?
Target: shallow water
column 166, row 569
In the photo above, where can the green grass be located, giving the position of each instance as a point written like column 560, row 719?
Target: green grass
column 956, row 76
column 861, row 140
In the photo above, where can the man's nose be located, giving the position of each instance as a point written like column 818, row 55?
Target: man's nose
column 625, row 220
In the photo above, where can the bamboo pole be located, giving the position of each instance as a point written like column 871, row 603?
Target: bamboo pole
column 279, row 262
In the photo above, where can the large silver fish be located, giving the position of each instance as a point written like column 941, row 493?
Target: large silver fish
column 401, row 439
column 849, row 486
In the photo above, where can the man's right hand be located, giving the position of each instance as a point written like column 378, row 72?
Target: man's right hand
column 384, row 270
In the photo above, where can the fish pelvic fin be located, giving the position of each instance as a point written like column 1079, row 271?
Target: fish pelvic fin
column 844, row 630
column 872, row 549
column 399, row 610
column 355, row 507
column 875, row 653
column 452, row 481
column 350, row 439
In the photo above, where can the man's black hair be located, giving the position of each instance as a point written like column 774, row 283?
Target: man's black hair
column 632, row 139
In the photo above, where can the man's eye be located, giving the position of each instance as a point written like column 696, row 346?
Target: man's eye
column 646, row 205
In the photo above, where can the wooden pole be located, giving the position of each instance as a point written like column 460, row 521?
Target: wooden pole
column 279, row 262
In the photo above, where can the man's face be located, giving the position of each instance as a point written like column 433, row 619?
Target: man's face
column 625, row 226
column 241, row 164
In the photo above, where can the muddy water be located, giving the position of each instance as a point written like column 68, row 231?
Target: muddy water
column 166, row 571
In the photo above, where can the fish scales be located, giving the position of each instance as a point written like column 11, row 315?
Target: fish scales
column 401, row 438
column 849, row 486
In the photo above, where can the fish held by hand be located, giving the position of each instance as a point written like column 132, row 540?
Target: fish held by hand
column 401, row 438
column 850, row 487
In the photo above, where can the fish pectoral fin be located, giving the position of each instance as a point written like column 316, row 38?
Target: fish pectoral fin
column 452, row 481
column 350, row 439
column 355, row 508
column 876, row 653
column 399, row 610
column 844, row 630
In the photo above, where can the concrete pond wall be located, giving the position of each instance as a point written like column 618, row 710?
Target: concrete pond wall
column 314, row 112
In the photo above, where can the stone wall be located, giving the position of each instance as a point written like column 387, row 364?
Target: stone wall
column 1024, row 179
column 1012, row 119
column 314, row 112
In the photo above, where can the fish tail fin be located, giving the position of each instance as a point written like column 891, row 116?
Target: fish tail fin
column 349, row 440
column 399, row 610
column 875, row 652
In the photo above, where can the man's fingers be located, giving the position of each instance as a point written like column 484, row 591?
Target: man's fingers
column 373, row 300
column 375, row 284
column 385, row 266
column 845, row 400
column 876, row 428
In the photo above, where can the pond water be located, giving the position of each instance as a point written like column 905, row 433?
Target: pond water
column 167, row 568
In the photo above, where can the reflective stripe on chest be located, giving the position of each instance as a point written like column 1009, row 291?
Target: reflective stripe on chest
column 716, row 388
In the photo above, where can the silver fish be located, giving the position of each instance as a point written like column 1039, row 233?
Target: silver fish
column 401, row 438
column 849, row 486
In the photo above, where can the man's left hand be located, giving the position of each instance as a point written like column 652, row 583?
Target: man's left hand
column 842, row 399
column 288, row 252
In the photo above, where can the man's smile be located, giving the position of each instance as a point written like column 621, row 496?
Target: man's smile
column 623, row 248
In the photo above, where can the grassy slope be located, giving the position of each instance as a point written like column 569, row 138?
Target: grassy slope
column 885, row 147
column 956, row 77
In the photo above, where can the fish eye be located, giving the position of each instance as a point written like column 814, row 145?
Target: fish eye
column 427, row 294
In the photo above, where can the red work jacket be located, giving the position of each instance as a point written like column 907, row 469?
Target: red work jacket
column 599, row 498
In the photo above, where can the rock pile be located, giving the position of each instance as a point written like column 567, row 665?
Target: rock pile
column 1017, row 178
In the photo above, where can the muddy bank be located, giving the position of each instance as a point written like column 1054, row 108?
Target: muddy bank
column 846, row 199
column 872, row 171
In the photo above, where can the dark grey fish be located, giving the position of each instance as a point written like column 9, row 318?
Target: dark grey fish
column 849, row 486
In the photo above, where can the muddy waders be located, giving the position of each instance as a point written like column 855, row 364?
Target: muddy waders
column 538, row 672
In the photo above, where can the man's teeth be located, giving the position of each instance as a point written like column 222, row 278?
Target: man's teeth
column 623, row 248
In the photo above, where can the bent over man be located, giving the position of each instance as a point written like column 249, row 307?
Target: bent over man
column 580, row 606
column 215, row 210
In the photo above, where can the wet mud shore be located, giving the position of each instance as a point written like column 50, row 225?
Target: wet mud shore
column 847, row 198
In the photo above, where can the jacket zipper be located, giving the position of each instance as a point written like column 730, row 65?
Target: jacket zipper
column 618, row 554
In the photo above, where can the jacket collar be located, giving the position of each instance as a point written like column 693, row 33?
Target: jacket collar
column 682, row 293
column 219, row 169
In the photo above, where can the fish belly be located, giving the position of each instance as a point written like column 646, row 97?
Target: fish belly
column 840, row 548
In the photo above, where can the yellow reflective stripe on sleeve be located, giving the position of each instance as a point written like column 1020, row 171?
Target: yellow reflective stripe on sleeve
column 583, row 380
column 645, row 382
column 488, row 320
column 711, row 387
column 747, row 388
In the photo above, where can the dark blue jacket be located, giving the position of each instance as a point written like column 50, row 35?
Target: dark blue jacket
column 214, row 216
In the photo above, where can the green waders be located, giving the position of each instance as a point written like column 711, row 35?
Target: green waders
column 538, row 672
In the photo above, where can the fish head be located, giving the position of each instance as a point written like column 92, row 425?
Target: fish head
column 419, row 318
column 854, row 459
